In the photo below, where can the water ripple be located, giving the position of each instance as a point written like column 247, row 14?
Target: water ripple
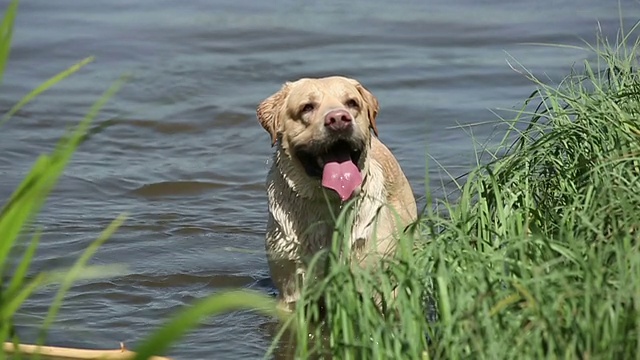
column 175, row 188
column 180, row 151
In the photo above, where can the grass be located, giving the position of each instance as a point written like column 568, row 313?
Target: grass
column 25, row 202
column 535, row 257
column 21, row 208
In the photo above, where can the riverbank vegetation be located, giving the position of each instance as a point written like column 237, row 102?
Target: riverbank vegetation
column 535, row 255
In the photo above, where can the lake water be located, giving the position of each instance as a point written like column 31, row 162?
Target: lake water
column 187, row 159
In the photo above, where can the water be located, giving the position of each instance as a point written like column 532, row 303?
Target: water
column 187, row 158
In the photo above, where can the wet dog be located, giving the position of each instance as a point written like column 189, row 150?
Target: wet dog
column 327, row 153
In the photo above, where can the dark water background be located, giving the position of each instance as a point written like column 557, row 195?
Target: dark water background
column 187, row 158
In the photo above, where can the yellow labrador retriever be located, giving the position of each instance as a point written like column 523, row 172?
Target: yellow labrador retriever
column 326, row 154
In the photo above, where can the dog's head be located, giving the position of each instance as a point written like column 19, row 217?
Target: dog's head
column 324, row 126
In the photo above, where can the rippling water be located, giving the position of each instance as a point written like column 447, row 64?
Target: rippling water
column 187, row 158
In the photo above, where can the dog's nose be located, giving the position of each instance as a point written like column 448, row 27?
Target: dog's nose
column 338, row 120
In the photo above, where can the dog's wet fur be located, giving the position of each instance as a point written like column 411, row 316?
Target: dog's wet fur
column 327, row 152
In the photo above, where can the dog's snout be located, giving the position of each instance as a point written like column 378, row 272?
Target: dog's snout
column 338, row 120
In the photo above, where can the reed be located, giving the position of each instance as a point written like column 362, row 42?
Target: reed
column 536, row 255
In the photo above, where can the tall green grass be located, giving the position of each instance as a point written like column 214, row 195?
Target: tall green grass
column 537, row 257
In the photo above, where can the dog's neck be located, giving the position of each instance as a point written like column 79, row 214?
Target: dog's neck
column 290, row 189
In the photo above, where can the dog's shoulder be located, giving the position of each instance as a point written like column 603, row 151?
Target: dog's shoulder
column 397, row 185
column 388, row 163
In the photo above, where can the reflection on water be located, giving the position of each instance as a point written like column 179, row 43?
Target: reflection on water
column 184, row 155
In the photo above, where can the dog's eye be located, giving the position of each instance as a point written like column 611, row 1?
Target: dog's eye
column 352, row 103
column 308, row 107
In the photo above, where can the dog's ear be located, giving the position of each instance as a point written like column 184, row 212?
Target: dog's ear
column 371, row 103
column 270, row 110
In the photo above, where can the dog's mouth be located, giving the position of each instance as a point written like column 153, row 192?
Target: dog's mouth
column 336, row 166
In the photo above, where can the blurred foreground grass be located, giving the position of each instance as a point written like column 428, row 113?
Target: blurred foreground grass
column 18, row 212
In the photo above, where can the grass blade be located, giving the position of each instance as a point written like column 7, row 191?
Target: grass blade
column 20, row 273
column 45, row 86
column 75, row 272
column 189, row 318
column 6, row 34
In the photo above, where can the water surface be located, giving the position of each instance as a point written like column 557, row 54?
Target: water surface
column 187, row 159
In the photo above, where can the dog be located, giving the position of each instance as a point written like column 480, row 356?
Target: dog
column 327, row 153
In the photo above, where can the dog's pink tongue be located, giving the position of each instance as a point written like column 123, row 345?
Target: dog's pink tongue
column 343, row 177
